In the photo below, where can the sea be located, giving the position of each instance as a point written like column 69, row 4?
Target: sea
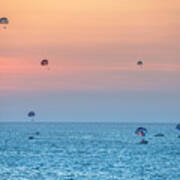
column 88, row 151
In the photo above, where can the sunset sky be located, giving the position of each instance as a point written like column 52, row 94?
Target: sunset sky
column 92, row 47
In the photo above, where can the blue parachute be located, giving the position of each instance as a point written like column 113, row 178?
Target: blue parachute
column 141, row 131
column 31, row 114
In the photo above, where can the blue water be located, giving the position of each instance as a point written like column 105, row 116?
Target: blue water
column 96, row 151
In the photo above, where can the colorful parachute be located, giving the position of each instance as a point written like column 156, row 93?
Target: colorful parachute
column 4, row 21
column 141, row 131
column 178, row 126
column 44, row 62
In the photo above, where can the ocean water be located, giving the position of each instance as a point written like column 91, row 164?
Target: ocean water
column 88, row 151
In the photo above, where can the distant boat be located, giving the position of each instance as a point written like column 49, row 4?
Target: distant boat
column 31, row 137
column 159, row 135
column 143, row 141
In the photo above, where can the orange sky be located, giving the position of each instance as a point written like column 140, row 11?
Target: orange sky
column 84, row 37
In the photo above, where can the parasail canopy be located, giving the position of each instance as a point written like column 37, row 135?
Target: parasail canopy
column 4, row 20
column 44, row 62
column 31, row 114
column 140, row 63
column 141, row 131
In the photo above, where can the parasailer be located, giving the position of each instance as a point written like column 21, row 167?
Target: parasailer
column 141, row 131
column 45, row 63
column 31, row 115
column 4, row 21
column 140, row 63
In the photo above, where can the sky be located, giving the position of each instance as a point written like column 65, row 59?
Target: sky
column 92, row 47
